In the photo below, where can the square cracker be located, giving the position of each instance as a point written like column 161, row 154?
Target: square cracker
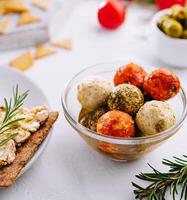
column 15, row 6
column 42, row 4
column 42, row 51
column 24, row 153
column 23, row 62
column 2, row 6
column 64, row 44
column 4, row 25
column 27, row 18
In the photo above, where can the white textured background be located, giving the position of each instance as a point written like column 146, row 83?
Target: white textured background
column 69, row 169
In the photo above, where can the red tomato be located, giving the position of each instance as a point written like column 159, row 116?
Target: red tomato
column 163, row 4
column 111, row 14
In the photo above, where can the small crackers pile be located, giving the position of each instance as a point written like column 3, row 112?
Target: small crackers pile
column 19, row 7
column 27, row 59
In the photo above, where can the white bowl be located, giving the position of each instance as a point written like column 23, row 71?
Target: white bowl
column 9, row 78
column 172, row 51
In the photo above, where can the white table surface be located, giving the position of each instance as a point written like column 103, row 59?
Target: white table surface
column 69, row 169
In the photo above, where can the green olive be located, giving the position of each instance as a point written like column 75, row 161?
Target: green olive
column 161, row 20
column 185, row 24
column 178, row 12
column 184, row 34
column 172, row 28
column 185, row 10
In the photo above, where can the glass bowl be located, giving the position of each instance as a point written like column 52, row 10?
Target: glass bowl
column 119, row 149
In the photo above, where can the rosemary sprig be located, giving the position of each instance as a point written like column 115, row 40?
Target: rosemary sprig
column 175, row 181
column 11, row 110
column 4, row 141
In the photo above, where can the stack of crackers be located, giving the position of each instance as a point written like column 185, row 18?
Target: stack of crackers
column 23, row 23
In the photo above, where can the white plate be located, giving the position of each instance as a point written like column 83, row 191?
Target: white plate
column 9, row 78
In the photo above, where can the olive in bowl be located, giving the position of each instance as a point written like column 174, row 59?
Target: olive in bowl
column 168, row 37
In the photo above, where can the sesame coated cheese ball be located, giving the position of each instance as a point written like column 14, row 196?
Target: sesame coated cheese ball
column 127, row 98
column 93, row 91
column 155, row 117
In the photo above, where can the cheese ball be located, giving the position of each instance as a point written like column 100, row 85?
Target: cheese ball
column 161, row 84
column 89, row 120
column 116, row 124
column 127, row 98
column 130, row 73
column 155, row 117
column 93, row 91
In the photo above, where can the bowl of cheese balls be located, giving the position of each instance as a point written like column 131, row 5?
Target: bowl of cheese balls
column 169, row 36
column 124, row 110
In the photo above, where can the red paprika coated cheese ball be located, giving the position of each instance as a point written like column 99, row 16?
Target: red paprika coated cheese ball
column 130, row 73
column 117, row 124
column 161, row 84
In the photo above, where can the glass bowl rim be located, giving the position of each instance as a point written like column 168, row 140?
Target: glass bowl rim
column 116, row 140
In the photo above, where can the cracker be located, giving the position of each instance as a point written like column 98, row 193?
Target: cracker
column 15, row 6
column 42, row 51
column 42, row 4
column 4, row 25
column 65, row 44
column 24, row 153
column 23, row 62
column 27, row 18
column 2, row 6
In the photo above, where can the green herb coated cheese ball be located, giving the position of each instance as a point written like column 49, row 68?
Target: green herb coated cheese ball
column 127, row 98
column 155, row 117
column 89, row 120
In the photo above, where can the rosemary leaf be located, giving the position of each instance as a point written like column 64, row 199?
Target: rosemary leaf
column 11, row 107
column 175, row 181
column 7, row 139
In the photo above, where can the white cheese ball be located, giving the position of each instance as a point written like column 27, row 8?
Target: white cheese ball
column 155, row 117
column 93, row 91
